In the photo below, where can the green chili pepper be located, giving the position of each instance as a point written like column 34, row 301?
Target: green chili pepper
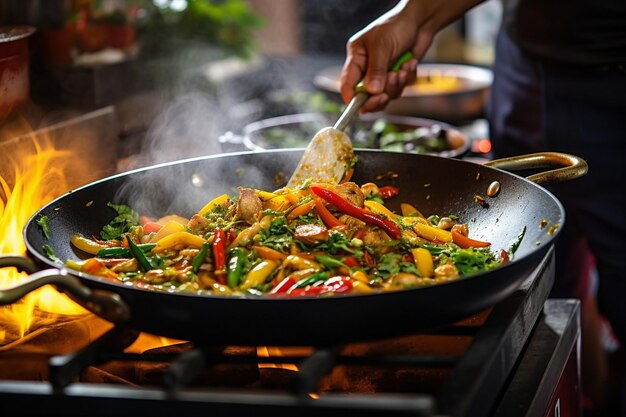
column 330, row 263
column 199, row 258
column 312, row 279
column 123, row 252
column 138, row 254
column 236, row 262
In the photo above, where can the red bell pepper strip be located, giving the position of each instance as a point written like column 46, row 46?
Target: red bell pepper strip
column 219, row 254
column 151, row 227
column 335, row 284
column 350, row 209
column 283, row 286
column 465, row 242
column 329, row 220
column 388, row 191
column 338, row 284
column 308, row 290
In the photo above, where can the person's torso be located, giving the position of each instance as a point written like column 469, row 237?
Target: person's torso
column 588, row 32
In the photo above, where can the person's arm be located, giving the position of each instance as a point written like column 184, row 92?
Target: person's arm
column 409, row 26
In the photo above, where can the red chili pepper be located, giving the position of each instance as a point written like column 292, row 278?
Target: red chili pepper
column 350, row 261
column 329, row 220
column 338, row 284
column 504, row 256
column 283, row 286
column 350, row 209
column 308, row 290
column 219, row 254
column 389, row 191
column 465, row 242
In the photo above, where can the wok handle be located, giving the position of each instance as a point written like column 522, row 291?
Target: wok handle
column 105, row 304
column 573, row 166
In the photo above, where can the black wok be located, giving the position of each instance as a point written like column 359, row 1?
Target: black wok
column 433, row 184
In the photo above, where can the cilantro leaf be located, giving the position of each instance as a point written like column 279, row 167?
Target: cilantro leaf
column 336, row 242
column 473, row 260
column 125, row 219
column 43, row 223
column 278, row 236
column 50, row 254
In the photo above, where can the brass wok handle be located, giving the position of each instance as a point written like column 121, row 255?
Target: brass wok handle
column 573, row 166
column 105, row 304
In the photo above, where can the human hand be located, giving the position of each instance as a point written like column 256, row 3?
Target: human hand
column 410, row 26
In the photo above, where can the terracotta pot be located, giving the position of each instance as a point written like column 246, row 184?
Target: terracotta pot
column 14, row 77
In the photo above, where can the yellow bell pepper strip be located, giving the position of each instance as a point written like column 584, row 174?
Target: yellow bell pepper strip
column 466, row 242
column 278, row 203
column 236, row 262
column 94, row 267
column 169, row 229
column 87, row 245
column 138, row 254
column 265, row 195
column 378, row 208
column 268, row 253
column 245, row 236
column 183, row 239
column 258, row 274
column 219, row 254
column 409, row 210
column 329, row 220
column 350, row 209
column 198, row 260
column 434, row 234
column 217, row 201
column 300, row 263
column 301, row 210
column 172, row 218
column 423, row 261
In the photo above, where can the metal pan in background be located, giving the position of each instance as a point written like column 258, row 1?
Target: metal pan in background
column 296, row 130
column 433, row 184
column 448, row 92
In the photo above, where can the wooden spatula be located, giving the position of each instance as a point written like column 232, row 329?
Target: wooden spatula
column 329, row 155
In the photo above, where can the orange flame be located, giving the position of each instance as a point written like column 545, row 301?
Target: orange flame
column 38, row 178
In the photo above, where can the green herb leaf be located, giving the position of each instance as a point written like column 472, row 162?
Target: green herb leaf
column 50, row 254
column 125, row 219
column 336, row 242
column 43, row 223
column 473, row 260
column 278, row 236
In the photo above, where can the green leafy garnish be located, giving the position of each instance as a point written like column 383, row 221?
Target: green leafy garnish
column 472, row 260
column 125, row 219
column 392, row 264
column 47, row 249
column 278, row 236
column 336, row 242
column 43, row 223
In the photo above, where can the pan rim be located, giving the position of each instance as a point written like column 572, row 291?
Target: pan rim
column 40, row 256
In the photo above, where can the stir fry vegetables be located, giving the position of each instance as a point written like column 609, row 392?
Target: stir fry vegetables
column 314, row 240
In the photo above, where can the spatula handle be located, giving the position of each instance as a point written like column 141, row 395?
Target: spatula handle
column 362, row 95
